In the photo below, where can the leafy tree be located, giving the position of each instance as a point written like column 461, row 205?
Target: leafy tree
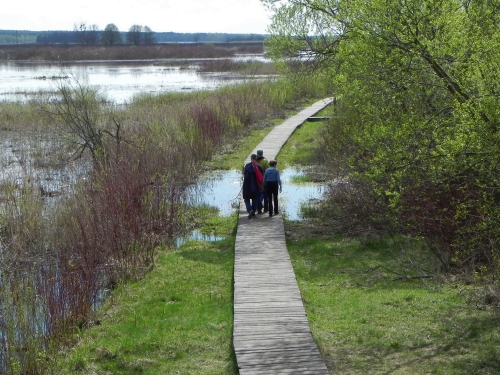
column 417, row 82
column 111, row 35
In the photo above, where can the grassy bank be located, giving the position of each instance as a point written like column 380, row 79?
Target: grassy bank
column 374, row 307
column 178, row 320
column 130, row 206
column 302, row 148
column 383, row 306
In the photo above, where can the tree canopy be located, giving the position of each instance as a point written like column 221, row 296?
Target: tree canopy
column 138, row 34
column 111, row 35
column 418, row 115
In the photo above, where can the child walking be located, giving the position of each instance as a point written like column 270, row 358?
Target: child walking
column 272, row 182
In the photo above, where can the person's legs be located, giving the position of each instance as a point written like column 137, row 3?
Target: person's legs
column 266, row 202
column 269, row 193
column 261, row 197
column 255, row 202
column 275, row 198
column 248, row 205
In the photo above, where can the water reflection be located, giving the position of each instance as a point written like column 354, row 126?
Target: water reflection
column 121, row 80
column 196, row 235
column 295, row 195
column 40, row 160
column 222, row 189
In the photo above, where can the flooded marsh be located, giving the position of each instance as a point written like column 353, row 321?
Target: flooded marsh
column 120, row 81
column 109, row 211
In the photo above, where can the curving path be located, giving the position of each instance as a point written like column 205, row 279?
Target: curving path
column 271, row 333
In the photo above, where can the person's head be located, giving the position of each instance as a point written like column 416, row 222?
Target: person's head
column 260, row 153
column 253, row 157
column 260, row 158
column 273, row 163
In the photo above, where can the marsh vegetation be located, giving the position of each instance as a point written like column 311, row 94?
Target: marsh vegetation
column 94, row 190
column 375, row 305
column 70, row 52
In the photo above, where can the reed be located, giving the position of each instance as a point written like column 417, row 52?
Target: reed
column 21, row 118
column 62, row 254
column 68, row 52
column 251, row 68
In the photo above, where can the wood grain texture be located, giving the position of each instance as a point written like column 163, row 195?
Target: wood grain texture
column 271, row 332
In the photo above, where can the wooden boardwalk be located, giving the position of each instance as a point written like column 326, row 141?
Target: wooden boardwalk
column 271, row 333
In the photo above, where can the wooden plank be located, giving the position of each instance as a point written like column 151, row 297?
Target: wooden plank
column 271, row 333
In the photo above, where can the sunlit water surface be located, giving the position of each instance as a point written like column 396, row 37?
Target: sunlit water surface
column 222, row 189
column 119, row 81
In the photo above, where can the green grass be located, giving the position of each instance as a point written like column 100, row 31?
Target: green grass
column 178, row 320
column 301, row 149
column 368, row 307
column 206, row 219
column 367, row 319
column 239, row 150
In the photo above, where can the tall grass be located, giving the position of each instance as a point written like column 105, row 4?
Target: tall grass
column 242, row 67
column 60, row 259
column 56, row 52
column 21, row 118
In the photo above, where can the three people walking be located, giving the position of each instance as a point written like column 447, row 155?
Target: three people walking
column 258, row 184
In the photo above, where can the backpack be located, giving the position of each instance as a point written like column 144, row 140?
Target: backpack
column 259, row 178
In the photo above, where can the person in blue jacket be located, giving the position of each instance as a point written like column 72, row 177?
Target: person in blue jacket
column 272, row 182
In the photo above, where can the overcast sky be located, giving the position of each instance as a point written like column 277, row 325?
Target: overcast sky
column 184, row 16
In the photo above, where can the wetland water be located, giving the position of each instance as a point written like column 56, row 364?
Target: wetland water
column 22, row 157
column 120, row 81
column 222, row 190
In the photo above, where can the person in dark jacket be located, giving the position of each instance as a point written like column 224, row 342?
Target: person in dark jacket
column 252, row 185
column 263, row 197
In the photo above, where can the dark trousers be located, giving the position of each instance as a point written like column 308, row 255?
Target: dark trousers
column 263, row 197
column 252, row 204
column 272, row 196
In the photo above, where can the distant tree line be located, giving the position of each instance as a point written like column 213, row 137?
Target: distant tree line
column 18, row 36
column 91, row 34
column 84, row 33
column 172, row 37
